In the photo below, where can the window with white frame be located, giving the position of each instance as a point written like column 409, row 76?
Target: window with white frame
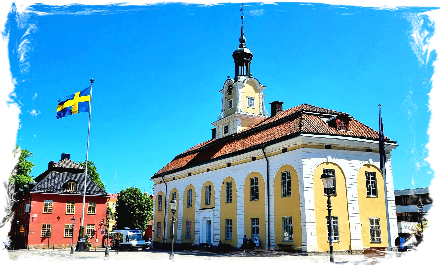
column 91, row 208
column 189, row 202
column 287, row 229
column 228, row 229
column 286, row 187
column 375, row 230
column 251, row 102
column 48, row 206
column 45, row 230
column 229, row 192
column 335, row 228
column 229, row 104
column 68, row 230
column 159, row 229
column 90, row 228
column 371, row 182
column 159, row 202
column 255, row 228
column 188, row 229
column 208, row 195
column 254, row 188
column 70, row 207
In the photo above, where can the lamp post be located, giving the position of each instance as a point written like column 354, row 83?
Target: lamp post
column 420, row 210
column 173, row 206
column 108, row 227
column 73, row 225
column 328, row 179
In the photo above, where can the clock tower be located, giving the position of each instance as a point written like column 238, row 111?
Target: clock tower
column 242, row 97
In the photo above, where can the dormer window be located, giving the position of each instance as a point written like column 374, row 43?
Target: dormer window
column 70, row 186
column 340, row 122
column 341, row 125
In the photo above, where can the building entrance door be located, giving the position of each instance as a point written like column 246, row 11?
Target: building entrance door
column 208, row 231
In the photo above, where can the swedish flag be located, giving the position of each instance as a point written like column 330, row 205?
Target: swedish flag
column 75, row 103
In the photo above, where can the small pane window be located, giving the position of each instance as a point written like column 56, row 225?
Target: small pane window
column 375, row 230
column 371, row 184
column 68, row 230
column 286, row 184
column 251, row 102
column 228, row 229
column 254, row 189
column 90, row 230
column 255, row 228
column 159, row 229
column 189, row 199
column 188, row 229
column 229, row 192
column 335, row 228
column 287, row 229
column 48, row 206
column 91, row 209
column 70, row 207
column 159, row 202
column 208, row 195
column 71, row 186
column 45, row 230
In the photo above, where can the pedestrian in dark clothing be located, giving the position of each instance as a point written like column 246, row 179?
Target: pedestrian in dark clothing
column 418, row 244
column 400, row 243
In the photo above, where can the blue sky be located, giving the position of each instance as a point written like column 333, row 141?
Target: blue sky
column 158, row 70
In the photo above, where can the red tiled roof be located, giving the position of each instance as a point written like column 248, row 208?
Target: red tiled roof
column 303, row 118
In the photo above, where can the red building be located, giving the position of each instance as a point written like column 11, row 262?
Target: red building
column 43, row 216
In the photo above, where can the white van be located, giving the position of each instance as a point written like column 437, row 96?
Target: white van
column 128, row 239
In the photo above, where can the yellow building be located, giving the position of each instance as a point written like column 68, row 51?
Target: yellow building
column 111, row 203
column 259, row 176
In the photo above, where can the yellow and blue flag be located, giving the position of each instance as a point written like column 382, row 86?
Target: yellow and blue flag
column 75, row 103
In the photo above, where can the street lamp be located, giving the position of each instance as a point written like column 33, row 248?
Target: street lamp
column 173, row 205
column 420, row 210
column 73, row 225
column 108, row 227
column 328, row 179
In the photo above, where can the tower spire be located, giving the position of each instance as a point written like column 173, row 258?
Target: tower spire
column 242, row 39
column 242, row 55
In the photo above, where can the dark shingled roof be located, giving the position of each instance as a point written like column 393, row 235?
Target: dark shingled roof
column 302, row 119
column 55, row 182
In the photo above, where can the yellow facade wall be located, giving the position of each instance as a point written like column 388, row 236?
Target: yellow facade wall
column 188, row 214
column 170, row 214
column 339, row 209
column 287, row 206
column 373, row 207
column 250, row 90
column 228, row 211
column 202, row 195
column 158, row 217
column 256, row 208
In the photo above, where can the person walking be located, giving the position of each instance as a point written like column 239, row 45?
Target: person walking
column 418, row 244
column 400, row 243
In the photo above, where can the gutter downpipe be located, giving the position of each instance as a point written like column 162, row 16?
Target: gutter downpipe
column 268, row 200
column 164, row 239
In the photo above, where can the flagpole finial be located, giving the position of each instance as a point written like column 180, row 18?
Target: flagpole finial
column 91, row 80
column 379, row 105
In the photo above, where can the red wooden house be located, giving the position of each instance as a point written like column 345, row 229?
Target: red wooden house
column 43, row 216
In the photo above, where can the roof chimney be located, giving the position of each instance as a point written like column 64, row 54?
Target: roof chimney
column 275, row 108
column 64, row 155
column 50, row 164
column 214, row 133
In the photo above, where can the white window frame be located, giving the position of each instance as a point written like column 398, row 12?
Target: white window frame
column 208, row 195
column 68, row 230
column 70, row 207
column 254, row 189
column 286, row 184
column 229, row 192
column 91, row 208
column 188, row 229
column 250, row 102
column 335, row 228
column 48, row 206
column 287, row 229
column 46, row 230
column 189, row 198
column 375, row 233
column 255, row 228
column 228, row 229
column 371, row 184
column 90, row 228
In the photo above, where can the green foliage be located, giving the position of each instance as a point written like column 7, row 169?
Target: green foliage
column 93, row 173
column 134, row 209
column 429, row 231
column 15, row 172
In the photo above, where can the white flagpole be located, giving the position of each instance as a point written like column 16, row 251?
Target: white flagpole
column 87, row 160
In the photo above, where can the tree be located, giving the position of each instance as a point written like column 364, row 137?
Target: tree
column 134, row 209
column 15, row 172
column 93, row 173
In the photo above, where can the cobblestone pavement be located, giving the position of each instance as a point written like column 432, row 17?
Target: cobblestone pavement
column 190, row 257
